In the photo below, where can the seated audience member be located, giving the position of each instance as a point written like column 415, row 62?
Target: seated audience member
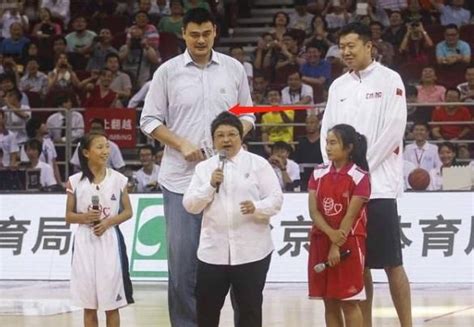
column 10, row 16
column 316, row 71
column 467, row 88
column 81, row 40
column 396, row 30
column 452, row 50
column 287, row 171
column 279, row 25
column 452, row 13
column 288, row 52
column 259, row 90
column 59, row 9
column 36, row 129
column 148, row 31
column 319, row 33
column 300, row 18
column 152, row 8
column 8, row 83
column 385, row 49
column 33, row 152
column 174, row 23
column 147, row 177
column 428, row 90
column 46, row 28
column 139, row 98
column 308, row 149
column 449, row 113
column 101, row 48
column 339, row 15
column 121, row 83
column 265, row 51
column 447, row 155
column 296, row 92
column 115, row 159
column 15, row 44
column 63, row 77
column 416, row 45
column 56, row 123
column 16, row 115
column 138, row 57
column 33, row 80
column 101, row 96
column 237, row 52
column 421, row 153
column 277, row 133
column 8, row 144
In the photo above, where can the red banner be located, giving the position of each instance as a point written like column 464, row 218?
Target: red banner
column 120, row 124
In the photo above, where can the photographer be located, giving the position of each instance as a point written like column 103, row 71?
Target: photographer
column 264, row 52
column 416, row 44
column 62, row 77
column 101, row 48
column 138, row 58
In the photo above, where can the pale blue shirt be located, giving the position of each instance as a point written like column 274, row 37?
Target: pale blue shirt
column 187, row 98
column 449, row 15
column 443, row 50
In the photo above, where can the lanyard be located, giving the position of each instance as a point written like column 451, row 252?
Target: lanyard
column 420, row 158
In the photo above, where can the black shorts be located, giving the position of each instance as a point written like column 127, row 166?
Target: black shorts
column 384, row 248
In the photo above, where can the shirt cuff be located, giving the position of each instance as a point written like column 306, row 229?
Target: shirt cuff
column 249, row 118
column 149, row 127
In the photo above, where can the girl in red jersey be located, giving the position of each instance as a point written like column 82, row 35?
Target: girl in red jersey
column 338, row 192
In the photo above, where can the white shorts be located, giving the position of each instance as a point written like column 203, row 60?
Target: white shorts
column 99, row 274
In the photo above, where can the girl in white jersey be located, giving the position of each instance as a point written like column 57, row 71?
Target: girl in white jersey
column 97, row 200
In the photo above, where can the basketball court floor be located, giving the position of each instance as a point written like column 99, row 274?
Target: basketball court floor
column 46, row 304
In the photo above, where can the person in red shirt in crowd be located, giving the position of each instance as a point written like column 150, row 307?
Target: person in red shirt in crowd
column 451, row 113
column 338, row 193
column 101, row 96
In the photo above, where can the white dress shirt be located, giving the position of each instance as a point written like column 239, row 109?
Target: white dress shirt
column 426, row 157
column 17, row 124
column 58, row 8
column 8, row 145
column 292, row 98
column 46, row 174
column 188, row 98
column 57, row 121
column 143, row 179
column 293, row 170
column 48, row 152
column 227, row 236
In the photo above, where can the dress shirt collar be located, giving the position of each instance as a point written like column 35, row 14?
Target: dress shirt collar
column 188, row 59
column 365, row 72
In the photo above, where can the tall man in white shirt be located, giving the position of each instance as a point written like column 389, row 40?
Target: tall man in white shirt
column 422, row 153
column 371, row 98
column 186, row 93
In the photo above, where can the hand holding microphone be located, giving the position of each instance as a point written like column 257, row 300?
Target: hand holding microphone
column 219, row 178
column 320, row 267
column 94, row 214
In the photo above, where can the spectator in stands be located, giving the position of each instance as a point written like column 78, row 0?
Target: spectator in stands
column 237, row 52
column 272, row 134
column 62, row 78
column 81, row 40
column 33, row 80
column 149, row 31
column 288, row 52
column 421, row 153
column 396, row 31
column 59, row 9
column 101, row 48
column 31, row 51
column 192, row 4
column 266, row 47
column 287, row 171
column 319, row 32
column 392, row 5
column 376, row 13
column 260, row 84
column 7, row 84
column 36, row 129
column 138, row 57
column 138, row 99
column 449, row 113
column 8, row 144
column 16, row 114
column 15, row 44
column 59, row 47
column 121, row 84
column 385, row 49
column 56, row 123
column 308, row 149
column 452, row 13
column 11, row 16
column 100, row 9
column 174, row 23
column 101, row 96
column 417, row 13
column 447, row 155
column 316, row 71
column 452, row 50
column 146, row 178
column 339, row 15
column 414, row 113
column 115, row 159
column 152, row 9
column 428, row 90
column 46, row 28
column 416, row 45
column 296, row 92
column 33, row 152
column 280, row 25
column 30, row 9
column 300, row 19
column 467, row 88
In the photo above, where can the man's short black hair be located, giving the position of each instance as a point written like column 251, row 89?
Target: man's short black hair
column 8, row 77
column 357, row 28
column 32, row 126
column 98, row 121
column 421, row 123
column 198, row 16
column 62, row 98
column 35, row 145
column 451, row 26
column 16, row 93
column 226, row 118
column 453, row 89
column 411, row 90
column 280, row 145
column 147, row 147
column 112, row 55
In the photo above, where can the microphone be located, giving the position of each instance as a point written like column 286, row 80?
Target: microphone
column 95, row 205
column 222, row 159
column 320, row 267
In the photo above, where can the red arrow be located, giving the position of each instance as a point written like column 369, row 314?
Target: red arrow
column 239, row 110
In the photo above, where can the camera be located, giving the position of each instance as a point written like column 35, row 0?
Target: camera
column 415, row 24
